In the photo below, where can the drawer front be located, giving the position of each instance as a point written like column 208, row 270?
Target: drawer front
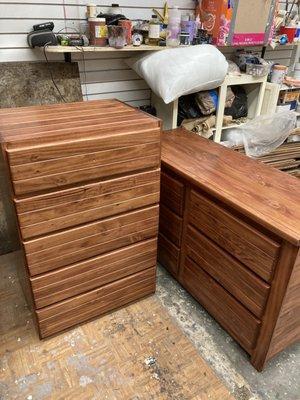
column 172, row 193
column 68, row 247
column 60, row 210
column 246, row 287
column 95, row 272
column 170, row 225
column 97, row 163
column 168, row 255
column 244, row 242
column 63, row 315
column 239, row 322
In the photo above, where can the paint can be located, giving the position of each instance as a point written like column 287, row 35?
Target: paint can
column 98, row 32
column 278, row 74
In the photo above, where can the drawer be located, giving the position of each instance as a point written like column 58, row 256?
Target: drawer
column 170, row 225
column 63, row 315
column 95, row 272
column 168, row 255
column 68, row 247
column 238, row 280
column 247, row 244
column 172, row 193
column 238, row 321
column 53, row 174
column 70, row 207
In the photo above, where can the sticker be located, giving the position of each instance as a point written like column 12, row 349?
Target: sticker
column 101, row 32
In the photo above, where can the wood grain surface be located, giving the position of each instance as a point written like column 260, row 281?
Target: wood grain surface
column 238, row 253
column 76, row 244
column 247, row 244
column 251, row 291
column 236, row 319
column 268, row 196
column 287, row 329
column 86, row 183
column 168, row 254
column 172, row 194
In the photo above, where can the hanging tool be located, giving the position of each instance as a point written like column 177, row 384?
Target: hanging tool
column 164, row 18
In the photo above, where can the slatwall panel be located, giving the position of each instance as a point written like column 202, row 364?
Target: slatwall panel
column 103, row 75
column 106, row 75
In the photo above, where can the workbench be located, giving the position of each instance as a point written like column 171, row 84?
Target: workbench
column 229, row 233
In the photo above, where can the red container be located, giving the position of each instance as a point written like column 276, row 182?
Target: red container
column 290, row 32
column 125, row 23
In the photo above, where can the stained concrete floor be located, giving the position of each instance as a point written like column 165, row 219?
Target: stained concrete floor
column 279, row 381
column 281, row 377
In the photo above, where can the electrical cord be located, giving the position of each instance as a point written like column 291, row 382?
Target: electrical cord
column 51, row 74
column 83, row 57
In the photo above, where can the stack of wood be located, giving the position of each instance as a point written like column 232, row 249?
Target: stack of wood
column 286, row 157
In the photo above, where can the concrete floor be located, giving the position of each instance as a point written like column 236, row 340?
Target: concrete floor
column 281, row 378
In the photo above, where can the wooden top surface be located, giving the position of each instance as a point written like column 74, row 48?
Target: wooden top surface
column 266, row 195
column 62, row 120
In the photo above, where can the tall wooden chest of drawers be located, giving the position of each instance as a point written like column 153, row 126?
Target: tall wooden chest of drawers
column 230, row 233
column 85, row 185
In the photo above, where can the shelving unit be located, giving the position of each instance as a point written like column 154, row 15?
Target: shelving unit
column 255, row 88
column 69, row 50
column 97, row 49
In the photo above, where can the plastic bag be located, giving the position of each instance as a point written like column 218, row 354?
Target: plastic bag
column 172, row 73
column 266, row 132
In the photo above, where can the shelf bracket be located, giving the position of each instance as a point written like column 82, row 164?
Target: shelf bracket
column 68, row 57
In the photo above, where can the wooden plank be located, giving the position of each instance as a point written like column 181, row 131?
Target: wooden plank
column 104, row 139
column 246, row 287
column 170, row 225
column 287, row 329
column 168, row 255
column 49, row 241
column 172, row 193
column 47, row 182
column 79, row 194
column 249, row 246
column 279, row 286
column 91, row 240
column 239, row 322
column 98, row 271
column 88, row 216
column 99, row 159
column 55, row 318
column 21, row 133
column 66, row 209
column 239, row 181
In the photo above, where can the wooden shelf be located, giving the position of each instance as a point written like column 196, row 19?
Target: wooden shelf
column 87, row 49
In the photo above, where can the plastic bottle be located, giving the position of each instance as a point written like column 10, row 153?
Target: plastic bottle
column 154, row 31
column 115, row 9
column 173, row 29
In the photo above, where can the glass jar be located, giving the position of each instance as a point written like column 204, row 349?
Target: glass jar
column 154, row 31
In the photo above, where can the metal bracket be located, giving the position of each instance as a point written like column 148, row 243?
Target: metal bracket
column 68, row 57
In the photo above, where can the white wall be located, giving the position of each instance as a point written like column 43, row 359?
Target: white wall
column 107, row 75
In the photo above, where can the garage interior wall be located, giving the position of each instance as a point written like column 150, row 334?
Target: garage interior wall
column 107, row 76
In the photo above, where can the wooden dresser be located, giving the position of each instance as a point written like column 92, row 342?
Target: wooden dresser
column 85, row 185
column 229, row 233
